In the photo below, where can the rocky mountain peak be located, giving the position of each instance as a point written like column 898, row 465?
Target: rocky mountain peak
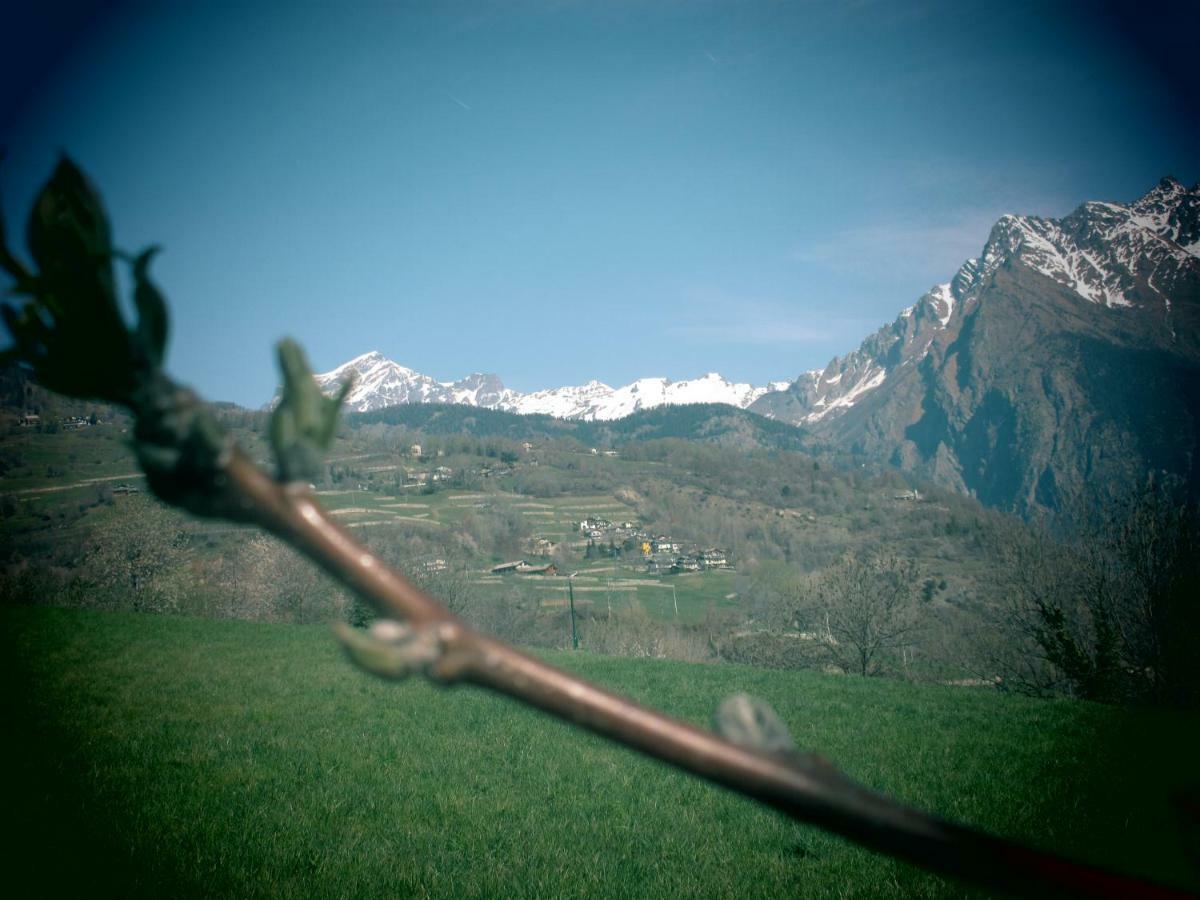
column 363, row 363
column 1112, row 254
column 1067, row 348
column 1173, row 212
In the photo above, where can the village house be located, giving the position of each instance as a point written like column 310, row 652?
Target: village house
column 548, row 569
column 540, row 546
column 521, row 567
column 686, row 564
column 659, row 563
column 488, row 471
column 713, row 558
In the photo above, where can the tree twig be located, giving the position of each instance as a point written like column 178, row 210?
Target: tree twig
column 801, row 786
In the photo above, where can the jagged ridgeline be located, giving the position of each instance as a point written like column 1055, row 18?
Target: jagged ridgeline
column 1064, row 361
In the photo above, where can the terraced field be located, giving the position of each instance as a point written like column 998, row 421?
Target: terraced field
column 598, row 584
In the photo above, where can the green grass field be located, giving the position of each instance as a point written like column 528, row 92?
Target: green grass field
column 602, row 585
column 170, row 756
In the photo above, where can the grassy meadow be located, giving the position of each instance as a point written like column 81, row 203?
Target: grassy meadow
column 171, row 756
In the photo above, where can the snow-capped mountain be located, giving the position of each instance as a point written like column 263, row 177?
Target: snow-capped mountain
column 1068, row 350
column 380, row 382
column 1110, row 253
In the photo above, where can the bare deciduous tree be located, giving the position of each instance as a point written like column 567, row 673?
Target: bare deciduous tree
column 866, row 610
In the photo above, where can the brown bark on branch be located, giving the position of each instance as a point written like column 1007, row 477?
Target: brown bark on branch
column 801, row 786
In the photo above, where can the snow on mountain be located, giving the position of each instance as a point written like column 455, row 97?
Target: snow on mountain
column 848, row 380
column 1060, row 363
column 380, row 382
column 1114, row 254
column 943, row 297
column 1111, row 254
column 598, row 401
column 482, row 390
column 563, row 403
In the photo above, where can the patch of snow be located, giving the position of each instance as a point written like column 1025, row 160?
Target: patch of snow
column 868, row 382
column 944, row 298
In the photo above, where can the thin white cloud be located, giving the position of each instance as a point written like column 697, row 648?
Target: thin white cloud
column 459, row 102
column 901, row 247
column 718, row 316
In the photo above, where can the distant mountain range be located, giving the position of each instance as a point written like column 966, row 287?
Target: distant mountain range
column 379, row 382
column 1066, row 355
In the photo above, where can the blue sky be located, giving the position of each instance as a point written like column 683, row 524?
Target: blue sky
column 561, row 191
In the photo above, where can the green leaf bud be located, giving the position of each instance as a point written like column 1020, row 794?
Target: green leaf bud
column 305, row 421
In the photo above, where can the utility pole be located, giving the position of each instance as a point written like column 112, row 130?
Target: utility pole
column 571, row 594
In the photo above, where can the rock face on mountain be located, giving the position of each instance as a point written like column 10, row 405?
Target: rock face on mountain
column 1066, row 356
column 379, row 383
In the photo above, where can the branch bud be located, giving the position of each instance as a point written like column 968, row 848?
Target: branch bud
column 305, row 421
column 751, row 723
column 392, row 649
